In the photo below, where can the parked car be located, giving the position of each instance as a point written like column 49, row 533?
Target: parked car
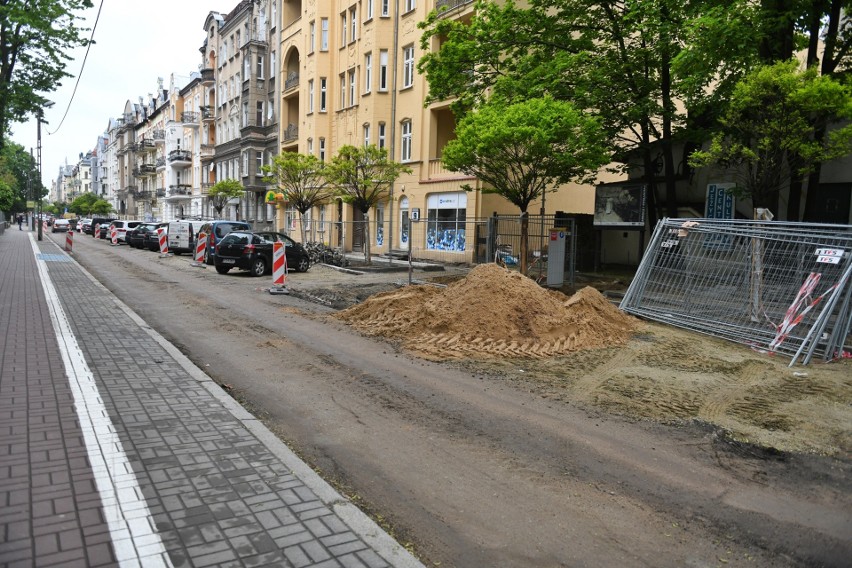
column 60, row 226
column 136, row 236
column 252, row 251
column 152, row 238
column 85, row 226
column 215, row 231
column 121, row 228
column 182, row 235
column 103, row 224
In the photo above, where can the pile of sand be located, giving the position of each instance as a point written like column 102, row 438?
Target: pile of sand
column 492, row 312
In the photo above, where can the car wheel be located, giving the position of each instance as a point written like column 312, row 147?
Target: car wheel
column 258, row 267
column 304, row 264
column 223, row 269
column 208, row 258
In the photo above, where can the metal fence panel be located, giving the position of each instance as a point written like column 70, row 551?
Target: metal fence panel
column 778, row 287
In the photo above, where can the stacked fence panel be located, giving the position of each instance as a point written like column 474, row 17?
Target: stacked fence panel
column 778, row 287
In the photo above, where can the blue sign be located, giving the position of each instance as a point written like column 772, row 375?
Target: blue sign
column 720, row 201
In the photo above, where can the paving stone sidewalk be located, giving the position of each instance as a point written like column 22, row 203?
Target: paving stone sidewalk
column 115, row 450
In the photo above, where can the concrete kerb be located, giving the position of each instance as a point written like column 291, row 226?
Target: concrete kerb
column 357, row 520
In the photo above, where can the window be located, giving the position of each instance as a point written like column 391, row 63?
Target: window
column 368, row 72
column 322, row 149
column 310, row 145
column 366, row 135
column 260, row 66
column 245, row 160
column 369, row 9
column 324, row 34
column 274, row 13
column 406, row 142
column 351, row 87
column 312, row 36
column 385, row 8
column 409, row 6
column 342, row 29
column 237, row 79
column 238, row 43
column 383, row 70
column 311, row 96
column 245, row 114
column 270, row 111
column 259, row 114
column 272, row 64
column 408, row 66
column 353, row 28
column 247, row 68
column 258, row 156
column 445, row 221
column 381, row 135
column 342, row 78
column 323, row 94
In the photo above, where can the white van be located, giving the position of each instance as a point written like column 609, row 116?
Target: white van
column 182, row 235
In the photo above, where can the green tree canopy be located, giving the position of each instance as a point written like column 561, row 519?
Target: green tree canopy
column 362, row 176
column 36, row 37
column 768, row 129
column 302, row 179
column 20, row 178
column 222, row 192
column 524, row 150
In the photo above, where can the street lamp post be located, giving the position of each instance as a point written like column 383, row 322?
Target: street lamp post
column 47, row 104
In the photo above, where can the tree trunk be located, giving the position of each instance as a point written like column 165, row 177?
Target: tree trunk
column 525, row 231
column 368, row 259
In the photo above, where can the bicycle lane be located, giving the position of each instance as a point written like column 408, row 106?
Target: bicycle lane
column 186, row 477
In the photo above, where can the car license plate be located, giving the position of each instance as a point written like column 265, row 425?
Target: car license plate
column 228, row 261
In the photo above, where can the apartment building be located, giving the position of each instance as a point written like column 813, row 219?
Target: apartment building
column 241, row 51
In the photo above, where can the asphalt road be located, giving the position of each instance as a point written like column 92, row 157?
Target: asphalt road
column 464, row 467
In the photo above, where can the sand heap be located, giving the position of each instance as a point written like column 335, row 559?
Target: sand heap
column 492, row 312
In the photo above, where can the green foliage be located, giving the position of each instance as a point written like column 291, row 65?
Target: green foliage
column 35, row 41
column 223, row 191
column 526, row 149
column 19, row 176
column 301, row 177
column 90, row 204
column 362, row 176
column 771, row 119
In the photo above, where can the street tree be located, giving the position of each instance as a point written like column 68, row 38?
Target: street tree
column 82, row 205
column 36, row 38
column 222, row 192
column 301, row 177
column 523, row 151
column 362, row 176
column 767, row 132
column 18, row 168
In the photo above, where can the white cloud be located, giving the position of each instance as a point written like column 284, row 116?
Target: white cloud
column 136, row 42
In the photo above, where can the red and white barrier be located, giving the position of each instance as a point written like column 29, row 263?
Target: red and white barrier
column 96, row 230
column 279, row 269
column 69, row 241
column 164, row 241
column 200, row 249
column 113, row 235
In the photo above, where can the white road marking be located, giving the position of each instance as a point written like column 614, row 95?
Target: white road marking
column 130, row 522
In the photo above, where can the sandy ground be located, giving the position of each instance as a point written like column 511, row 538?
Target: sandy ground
column 573, row 349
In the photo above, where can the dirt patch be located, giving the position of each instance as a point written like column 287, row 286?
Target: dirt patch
column 581, row 349
column 493, row 312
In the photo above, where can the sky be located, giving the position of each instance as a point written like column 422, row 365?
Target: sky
column 136, row 42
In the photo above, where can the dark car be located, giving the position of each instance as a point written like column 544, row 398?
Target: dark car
column 136, row 236
column 215, row 231
column 103, row 226
column 152, row 238
column 252, row 251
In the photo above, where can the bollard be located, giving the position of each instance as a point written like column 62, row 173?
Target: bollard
column 279, row 270
column 113, row 235
column 69, row 241
column 164, row 242
column 200, row 248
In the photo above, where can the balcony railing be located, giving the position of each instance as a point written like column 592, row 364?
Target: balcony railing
column 180, row 156
column 205, row 187
column 160, row 162
column 450, row 4
column 207, row 113
column 189, row 116
column 208, row 150
column 180, row 189
column 207, row 76
column 161, row 192
column 291, row 132
column 159, row 136
column 292, row 80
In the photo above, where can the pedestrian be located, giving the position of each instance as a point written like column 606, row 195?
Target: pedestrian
column 20, row 221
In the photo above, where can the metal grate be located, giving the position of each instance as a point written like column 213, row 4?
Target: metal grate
column 775, row 286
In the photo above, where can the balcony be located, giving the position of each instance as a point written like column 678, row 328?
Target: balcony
column 144, row 170
column 190, row 117
column 291, row 132
column 180, row 190
column 146, row 145
column 208, row 151
column 208, row 113
column 160, row 163
column 161, row 192
column 447, row 5
column 180, row 158
column 292, row 80
column 207, row 76
column 205, row 187
column 159, row 136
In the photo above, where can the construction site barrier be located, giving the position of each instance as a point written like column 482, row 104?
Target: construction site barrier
column 113, row 235
column 279, row 269
column 200, row 249
column 69, row 241
column 164, row 241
